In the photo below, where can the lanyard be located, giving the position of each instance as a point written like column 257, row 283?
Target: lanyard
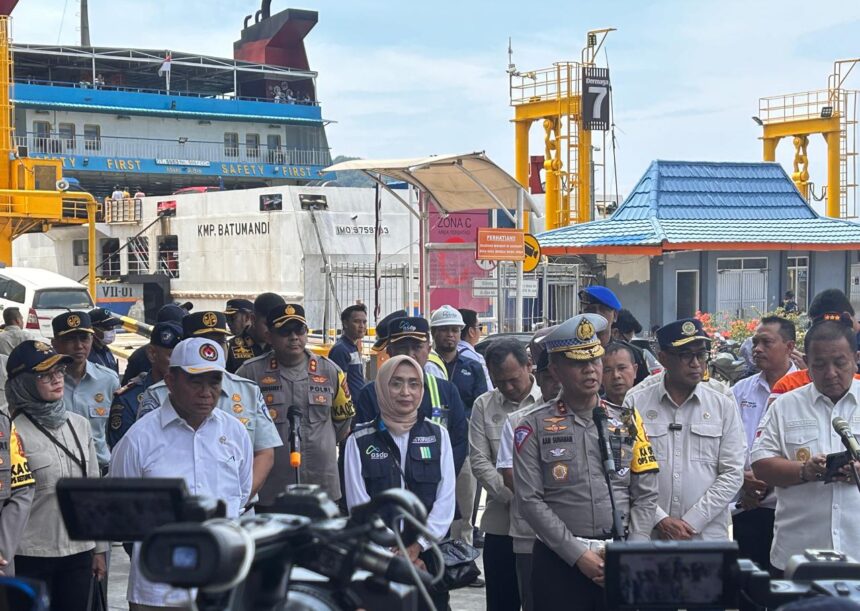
column 82, row 461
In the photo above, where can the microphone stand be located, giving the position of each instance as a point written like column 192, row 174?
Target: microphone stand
column 600, row 421
column 294, row 416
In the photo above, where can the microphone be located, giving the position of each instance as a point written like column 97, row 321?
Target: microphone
column 843, row 429
column 393, row 568
column 294, row 416
column 606, row 455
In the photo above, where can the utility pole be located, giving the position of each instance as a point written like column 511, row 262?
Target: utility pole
column 85, row 24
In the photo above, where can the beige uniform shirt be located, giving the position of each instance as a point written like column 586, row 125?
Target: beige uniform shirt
column 13, row 335
column 657, row 379
column 46, row 534
column 700, row 447
column 318, row 388
column 485, row 431
column 558, row 477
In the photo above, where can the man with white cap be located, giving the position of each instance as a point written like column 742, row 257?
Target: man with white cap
column 188, row 438
column 468, row 376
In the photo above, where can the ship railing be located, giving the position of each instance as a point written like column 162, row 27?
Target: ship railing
column 127, row 210
column 545, row 84
column 796, row 106
column 124, row 151
column 187, row 94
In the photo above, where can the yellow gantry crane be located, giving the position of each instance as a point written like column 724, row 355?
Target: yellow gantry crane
column 831, row 112
column 32, row 197
column 554, row 96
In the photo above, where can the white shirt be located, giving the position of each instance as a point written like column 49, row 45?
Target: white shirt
column 751, row 395
column 440, row 517
column 814, row 514
column 215, row 461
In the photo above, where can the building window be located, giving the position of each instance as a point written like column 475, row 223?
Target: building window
column 42, row 136
column 231, row 144
column 93, row 137
column 686, row 293
column 110, row 258
column 798, row 280
column 252, row 146
column 168, row 255
column 81, row 253
column 138, row 255
column 67, row 134
column 273, row 144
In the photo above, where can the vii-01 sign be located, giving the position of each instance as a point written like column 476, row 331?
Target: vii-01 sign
column 595, row 99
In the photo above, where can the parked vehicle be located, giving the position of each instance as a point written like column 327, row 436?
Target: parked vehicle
column 41, row 295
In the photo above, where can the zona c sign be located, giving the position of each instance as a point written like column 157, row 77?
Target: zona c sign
column 500, row 244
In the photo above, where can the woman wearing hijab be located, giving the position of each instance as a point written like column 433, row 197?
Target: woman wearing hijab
column 58, row 444
column 400, row 449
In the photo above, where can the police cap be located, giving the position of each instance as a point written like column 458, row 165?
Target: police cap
column 599, row 295
column 204, row 323
column 71, row 322
column 166, row 334
column 235, row 306
column 103, row 319
column 681, row 332
column 576, row 338
column 382, row 329
column 35, row 357
column 285, row 318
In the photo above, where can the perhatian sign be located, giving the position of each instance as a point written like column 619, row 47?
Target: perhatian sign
column 595, row 98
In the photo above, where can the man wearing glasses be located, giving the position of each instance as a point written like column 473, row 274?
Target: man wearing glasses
column 697, row 438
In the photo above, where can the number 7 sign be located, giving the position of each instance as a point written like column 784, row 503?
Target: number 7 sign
column 595, row 98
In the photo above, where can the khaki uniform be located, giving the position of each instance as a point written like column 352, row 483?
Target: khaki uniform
column 701, row 448
column 320, row 390
column 558, row 477
column 16, row 491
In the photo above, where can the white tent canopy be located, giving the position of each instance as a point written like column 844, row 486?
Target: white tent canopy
column 454, row 182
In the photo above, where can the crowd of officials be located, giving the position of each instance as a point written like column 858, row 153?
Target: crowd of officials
column 207, row 400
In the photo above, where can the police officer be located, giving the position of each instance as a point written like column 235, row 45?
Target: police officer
column 104, row 334
column 239, row 397
column 89, row 387
column 441, row 402
column 290, row 374
column 241, row 346
column 126, row 401
column 559, row 477
column 138, row 362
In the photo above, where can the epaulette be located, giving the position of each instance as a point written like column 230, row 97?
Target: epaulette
column 131, row 384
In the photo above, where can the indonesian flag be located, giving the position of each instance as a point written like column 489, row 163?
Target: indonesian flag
column 165, row 65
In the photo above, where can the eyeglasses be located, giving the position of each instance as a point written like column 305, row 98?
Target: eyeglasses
column 50, row 376
column 703, row 356
column 398, row 385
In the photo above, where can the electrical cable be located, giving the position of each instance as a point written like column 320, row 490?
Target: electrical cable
column 612, row 129
column 412, row 571
column 62, row 19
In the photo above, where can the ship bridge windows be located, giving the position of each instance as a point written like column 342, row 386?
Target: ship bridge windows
column 252, row 146
column 93, row 137
column 168, row 255
column 231, row 144
column 43, row 141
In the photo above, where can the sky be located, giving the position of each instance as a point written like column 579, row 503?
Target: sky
column 408, row 79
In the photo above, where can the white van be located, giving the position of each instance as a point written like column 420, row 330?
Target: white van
column 41, row 295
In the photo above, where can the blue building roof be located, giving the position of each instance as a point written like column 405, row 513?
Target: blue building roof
column 679, row 205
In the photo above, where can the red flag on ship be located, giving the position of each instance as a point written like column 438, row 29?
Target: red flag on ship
column 165, row 65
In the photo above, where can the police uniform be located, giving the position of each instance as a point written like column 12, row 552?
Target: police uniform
column 560, row 482
column 240, row 397
column 319, row 389
column 126, row 401
column 241, row 347
column 90, row 396
column 100, row 353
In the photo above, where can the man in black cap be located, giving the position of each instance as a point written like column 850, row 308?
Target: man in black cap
column 89, row 387
column 291, row 375
column 259, row 330
column 126, row 401
column 241, row 347
column 441, row 402
column 239, row 397
column 104, row 334
column 346, row 352
column 138, row 362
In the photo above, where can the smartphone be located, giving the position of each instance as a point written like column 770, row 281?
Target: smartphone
column 834, row 463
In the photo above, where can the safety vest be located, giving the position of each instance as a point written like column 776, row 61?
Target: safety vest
column 437, row 360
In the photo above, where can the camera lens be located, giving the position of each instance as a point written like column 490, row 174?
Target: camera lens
column 184, row 557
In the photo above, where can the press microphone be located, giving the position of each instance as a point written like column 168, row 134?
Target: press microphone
column 848, row 440
column 294, row 416
column 606, row 455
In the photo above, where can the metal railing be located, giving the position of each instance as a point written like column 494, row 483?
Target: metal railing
column 547, row 84
column 795, row 106
column 171, row 152
column 123, row 210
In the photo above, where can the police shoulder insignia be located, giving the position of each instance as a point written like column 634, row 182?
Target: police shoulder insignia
column 115, row 420
column 273, row 363
column 521, row 434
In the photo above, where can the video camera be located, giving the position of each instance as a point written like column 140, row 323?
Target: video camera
column 304, row 555
column 705, row 574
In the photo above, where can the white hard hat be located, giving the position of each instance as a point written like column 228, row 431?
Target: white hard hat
column 447, row 316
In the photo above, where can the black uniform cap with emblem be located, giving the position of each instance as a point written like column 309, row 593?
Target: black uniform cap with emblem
column 286, row 318
column 234, row 306
column 382, row 329
column 410, row 327
column 34, row 356
column 204, row 323
column 576, row 338
column 71, row 322
column 680, row 333
column 266, row 302
column 103, row 319
column 166, row 335
column 537, row 349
